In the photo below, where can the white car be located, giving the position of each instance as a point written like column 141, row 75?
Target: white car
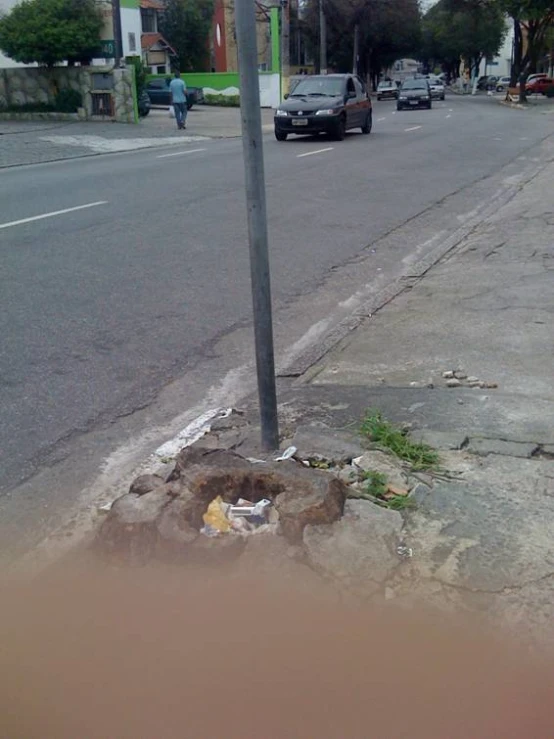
column 502, row 84
column 437, row 88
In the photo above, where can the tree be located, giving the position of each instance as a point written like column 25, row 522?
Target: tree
column 51, row 31
column 532, row 20
column 468, row 29
column 387, row 30
column 186, row 25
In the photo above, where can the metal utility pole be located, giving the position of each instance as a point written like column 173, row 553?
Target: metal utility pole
column 245, row 20
column 117, row 35
column 322, row 40
column 285, row 46
column 356, row 47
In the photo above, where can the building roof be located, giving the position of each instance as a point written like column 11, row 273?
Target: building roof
column 148, row 40
column 154, row 4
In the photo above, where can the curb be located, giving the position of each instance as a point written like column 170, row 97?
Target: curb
column 514, row 106
column 306, row 361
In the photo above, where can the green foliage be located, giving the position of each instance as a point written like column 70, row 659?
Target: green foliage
column 376, row 483
column 399, row 503
column 28, row 108
column 186, row 25
column 376, row 429
column 51, row 31
column 375, row 490
column 140, row 73
column 472, row 29
column 532, row 23
column 387, row 31
column 67, row 101
column 227, row 101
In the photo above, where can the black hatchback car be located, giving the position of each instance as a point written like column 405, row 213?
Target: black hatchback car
column 414, row 93
column 159, row 94
column 331, row 103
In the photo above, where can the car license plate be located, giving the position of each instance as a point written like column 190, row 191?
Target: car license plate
column 414, row 102
column 300, row 122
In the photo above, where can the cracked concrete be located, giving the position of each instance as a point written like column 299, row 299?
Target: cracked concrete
column 481, row 535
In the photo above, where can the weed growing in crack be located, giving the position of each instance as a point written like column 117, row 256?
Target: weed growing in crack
column 375, row 483
column 375, row 428
column 401, row 503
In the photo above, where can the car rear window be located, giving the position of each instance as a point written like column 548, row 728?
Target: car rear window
column 414, row 85
column 322, row 85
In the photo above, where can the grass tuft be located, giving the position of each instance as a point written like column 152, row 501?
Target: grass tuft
column 375, row 428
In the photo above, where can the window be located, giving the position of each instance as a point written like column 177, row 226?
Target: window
column 148, row 20
column 350, row 86
column 160, row 69
column 314, row 85
column 132, row 41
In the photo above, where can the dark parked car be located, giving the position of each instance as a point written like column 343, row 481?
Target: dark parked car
column 414, row 93
column 387, row 90
column 487, row 82
column 159, row 94
column 143, row 104
column 331, row 103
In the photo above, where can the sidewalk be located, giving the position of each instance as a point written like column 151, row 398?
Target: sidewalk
column 482, row 539
column 461, row 357
column 23, row 142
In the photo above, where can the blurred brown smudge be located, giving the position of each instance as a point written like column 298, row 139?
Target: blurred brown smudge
column 95, row 653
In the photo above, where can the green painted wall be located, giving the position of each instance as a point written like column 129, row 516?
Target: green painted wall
column 275, row 41
column 130, row 4
column 215, row 80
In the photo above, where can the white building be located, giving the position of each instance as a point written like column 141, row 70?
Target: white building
column 501, row 65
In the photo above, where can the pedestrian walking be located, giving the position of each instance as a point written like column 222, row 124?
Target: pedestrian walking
column 178, row 91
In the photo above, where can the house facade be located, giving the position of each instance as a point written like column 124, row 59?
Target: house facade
column 223, row 42
column 156, row 52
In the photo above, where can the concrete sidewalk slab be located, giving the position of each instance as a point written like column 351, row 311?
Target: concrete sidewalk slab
column 32, row 142
column 481, row 534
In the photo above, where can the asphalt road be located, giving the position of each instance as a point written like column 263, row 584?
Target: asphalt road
column 103, row 306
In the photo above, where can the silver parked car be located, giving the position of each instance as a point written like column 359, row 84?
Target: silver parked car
column 502, row 84
column 387, row 90
column 437, row 88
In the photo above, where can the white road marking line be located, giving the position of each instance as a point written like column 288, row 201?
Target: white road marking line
column 450, row 110
column 523, row 138
column 52, row 214
column 179, row 153
column 448, row 116
column 497, row 138
column 413, row 128
column 317, row 151
column 379, row 120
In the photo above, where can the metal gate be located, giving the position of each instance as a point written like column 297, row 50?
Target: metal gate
column 102, row 104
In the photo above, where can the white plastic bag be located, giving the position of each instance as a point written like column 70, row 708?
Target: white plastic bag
column 171, row 111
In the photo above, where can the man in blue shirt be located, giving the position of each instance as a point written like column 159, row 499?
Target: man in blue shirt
column 178, row 91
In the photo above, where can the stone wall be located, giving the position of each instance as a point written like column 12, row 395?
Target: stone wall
column 35, row 85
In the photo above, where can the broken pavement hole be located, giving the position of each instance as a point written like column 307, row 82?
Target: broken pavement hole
column 166, row 520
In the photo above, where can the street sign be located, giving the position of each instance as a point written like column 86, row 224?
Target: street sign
column 107, row 48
